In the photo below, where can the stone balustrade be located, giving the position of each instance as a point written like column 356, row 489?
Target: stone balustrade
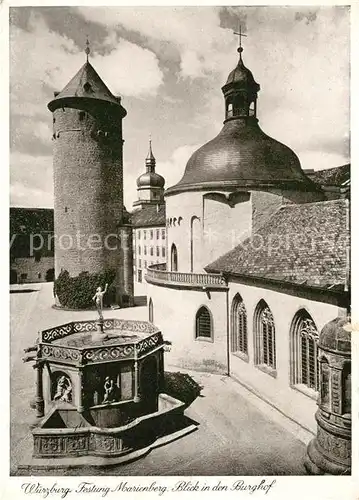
column 158, row 275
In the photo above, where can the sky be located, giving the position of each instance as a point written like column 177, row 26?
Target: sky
column 168, row 64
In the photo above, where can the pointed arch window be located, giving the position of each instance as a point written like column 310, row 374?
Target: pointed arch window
column 204, row 324
column 265, row 349
column 346, row 396
column 150, row 311
column 174, row 258
column 324, row 383
column 304, row 352
column 239, row 334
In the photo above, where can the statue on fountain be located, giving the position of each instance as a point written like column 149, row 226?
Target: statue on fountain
column 98, row 299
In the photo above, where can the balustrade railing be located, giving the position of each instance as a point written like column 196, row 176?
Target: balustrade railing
column 158, row 272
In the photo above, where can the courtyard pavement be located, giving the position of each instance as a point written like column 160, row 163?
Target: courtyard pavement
column 238, row 433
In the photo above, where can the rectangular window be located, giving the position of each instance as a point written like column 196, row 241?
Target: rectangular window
column 139, row 262
column 157, row 251
column 157, row 234
column 145, row 264
column 151, row 250
column 139, row 250
column 139, row 276
column 139, row 234
column 144, row 250
column 151, row 234
column 144, row 234
column 163, row 234
column 163, row 251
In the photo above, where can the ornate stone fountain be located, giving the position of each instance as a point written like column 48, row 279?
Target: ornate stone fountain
column 98, row 394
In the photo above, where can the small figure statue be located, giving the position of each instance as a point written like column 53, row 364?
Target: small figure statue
column 110, row 395
column 98, row 298
column 63, row 389
column 67, row 395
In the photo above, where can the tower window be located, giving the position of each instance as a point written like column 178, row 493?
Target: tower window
column 82, row 115
column 53, row 120
column 65, row 210
column 304, row 351
column 265, row 354
column 239, row 337
column 87, row 87
column 203, row 324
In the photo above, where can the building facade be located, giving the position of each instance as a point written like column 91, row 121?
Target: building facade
column 257, row 261
column 148, row 222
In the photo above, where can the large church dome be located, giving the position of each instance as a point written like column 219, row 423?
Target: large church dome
column 242, row 155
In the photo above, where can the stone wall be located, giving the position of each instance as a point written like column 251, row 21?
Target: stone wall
column 175, row 312
column 35, row 271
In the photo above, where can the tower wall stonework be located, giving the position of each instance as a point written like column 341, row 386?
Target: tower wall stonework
column 88, row 188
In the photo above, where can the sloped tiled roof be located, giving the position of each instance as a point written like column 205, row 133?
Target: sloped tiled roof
column 86, row 83
column 149, row 216
column 332, row 176
column 301, row 244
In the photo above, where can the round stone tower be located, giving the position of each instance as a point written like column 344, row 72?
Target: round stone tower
column 88, row 178
column 330, row 451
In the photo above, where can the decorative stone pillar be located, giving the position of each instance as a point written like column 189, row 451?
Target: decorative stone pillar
column 80, row 399
column 39, row 403
column 330, row 451
column 136, row 397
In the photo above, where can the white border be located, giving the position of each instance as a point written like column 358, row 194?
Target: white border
column 296, row 488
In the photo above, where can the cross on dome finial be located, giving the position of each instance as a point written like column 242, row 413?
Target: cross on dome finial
column 87, row 49
column 240, row 34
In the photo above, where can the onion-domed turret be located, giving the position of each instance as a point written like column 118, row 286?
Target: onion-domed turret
column 242, row 155
column 150, row 184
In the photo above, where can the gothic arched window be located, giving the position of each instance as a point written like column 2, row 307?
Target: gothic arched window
column 304, row 351
column 239, row 336
column 203, row 323
column 264, row 336
column 174, row 258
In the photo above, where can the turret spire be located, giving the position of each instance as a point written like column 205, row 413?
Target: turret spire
column 87, row 49
column 240, row 34
column 150, row 159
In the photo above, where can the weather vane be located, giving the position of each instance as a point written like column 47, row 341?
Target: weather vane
column 240, row 34
column 87, row 49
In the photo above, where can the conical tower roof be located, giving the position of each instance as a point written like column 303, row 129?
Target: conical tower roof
column 85, row 84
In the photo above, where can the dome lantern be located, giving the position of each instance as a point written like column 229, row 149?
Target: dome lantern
column 240, row 90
